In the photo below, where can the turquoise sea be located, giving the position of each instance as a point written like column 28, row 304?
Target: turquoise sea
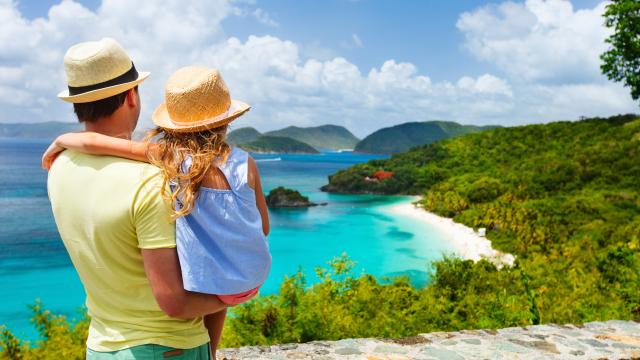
column 34, row 263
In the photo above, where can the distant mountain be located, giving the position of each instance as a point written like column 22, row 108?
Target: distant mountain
column 43, row 130
column 402, row 137
column 242, row 135
column 331, row 137
column 278, row 144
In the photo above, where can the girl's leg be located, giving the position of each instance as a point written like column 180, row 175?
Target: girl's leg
column 214, row 323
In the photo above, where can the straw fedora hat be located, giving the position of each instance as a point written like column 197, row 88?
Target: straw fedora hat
column 196, row 99
column 97, row 70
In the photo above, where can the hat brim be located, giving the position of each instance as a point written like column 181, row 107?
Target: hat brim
column 103, row 93
column 162, row 118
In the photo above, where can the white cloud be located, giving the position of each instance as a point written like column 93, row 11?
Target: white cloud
column 244, row 8
column 264, row 17
column 304, row 84
column 486, row 83
column 549, row 52
column 538, row 40
column 158, row 38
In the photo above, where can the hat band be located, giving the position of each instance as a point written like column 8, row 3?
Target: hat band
column 130, row 75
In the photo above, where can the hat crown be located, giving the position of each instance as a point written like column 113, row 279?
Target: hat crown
column 195, row 93
column 95, row 62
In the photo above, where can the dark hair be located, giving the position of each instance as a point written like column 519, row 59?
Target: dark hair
column 95, row 110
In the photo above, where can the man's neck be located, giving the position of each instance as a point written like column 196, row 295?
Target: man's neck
column 110, row 126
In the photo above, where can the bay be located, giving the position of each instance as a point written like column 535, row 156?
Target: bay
column 34, row 263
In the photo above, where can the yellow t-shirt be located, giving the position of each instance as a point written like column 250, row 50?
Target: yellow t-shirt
column 106, row 210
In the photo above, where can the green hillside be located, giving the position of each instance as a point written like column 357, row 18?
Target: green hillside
column 277, row 144
column 242, row 135
column 563, row 197
column 403, row 137
column 43, row 130
column 320, row 137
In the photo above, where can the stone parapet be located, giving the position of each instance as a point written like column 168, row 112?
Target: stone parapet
column 612, row 339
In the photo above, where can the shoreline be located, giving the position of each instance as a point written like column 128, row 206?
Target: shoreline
column 466, row 242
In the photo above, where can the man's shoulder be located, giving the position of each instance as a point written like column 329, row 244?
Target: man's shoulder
column 106, row 163
column 108, row 168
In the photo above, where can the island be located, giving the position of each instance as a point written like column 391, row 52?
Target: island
column 276, row 144
column 324, row 137
column 302, row 139
column 282, row 197
column 242, row 136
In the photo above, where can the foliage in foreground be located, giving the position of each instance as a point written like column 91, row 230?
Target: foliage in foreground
column 462, row 294
column 61, row 339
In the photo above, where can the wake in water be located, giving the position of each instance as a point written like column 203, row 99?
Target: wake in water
column 264, row 160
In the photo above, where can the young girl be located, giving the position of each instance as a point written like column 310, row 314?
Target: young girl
column 220, row 209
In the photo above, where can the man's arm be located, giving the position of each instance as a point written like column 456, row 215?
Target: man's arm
column 163, row 270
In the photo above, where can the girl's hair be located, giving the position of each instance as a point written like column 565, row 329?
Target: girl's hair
column 205, row 148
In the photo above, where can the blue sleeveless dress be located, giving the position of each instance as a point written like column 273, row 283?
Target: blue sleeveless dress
column 220, row 244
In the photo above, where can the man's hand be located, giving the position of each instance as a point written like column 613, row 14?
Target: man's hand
column 50, row 155
column 163, row 271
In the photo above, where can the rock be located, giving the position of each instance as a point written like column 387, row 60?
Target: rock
column 443, row 354
column 594, row 343
column 411, row 340
column 297, row 355
column 472, row 341
column 511, row 348
column 624, row 346
column 537, row 344
column 281, row 197
column 390, row 349
column 348, row 351
column 288, row 346
column 631, row 340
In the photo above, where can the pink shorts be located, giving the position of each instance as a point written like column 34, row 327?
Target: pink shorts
column 235, row 299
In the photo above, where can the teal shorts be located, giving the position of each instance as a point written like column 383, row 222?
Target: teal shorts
column 153, row 352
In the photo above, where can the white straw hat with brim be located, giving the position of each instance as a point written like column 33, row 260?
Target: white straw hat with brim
column 97, row 70
column 196, row 99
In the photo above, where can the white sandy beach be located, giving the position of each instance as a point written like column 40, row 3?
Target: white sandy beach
column 467, row 243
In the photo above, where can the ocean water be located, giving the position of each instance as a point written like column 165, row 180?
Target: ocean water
column 34, row 263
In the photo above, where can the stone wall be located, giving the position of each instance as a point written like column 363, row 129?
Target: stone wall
column 613, row 339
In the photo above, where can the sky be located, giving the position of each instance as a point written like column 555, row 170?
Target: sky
column 363, row 64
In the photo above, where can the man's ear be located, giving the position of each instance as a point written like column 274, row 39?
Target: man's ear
column 132, row 97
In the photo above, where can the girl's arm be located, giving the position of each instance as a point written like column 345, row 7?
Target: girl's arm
column 261, row 202
column 97, row 144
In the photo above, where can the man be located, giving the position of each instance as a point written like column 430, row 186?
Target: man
column 116, row 225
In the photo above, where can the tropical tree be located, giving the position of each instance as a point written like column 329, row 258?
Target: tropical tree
column 622, row 61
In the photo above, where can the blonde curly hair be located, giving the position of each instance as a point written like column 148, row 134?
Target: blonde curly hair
column 207, row 149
